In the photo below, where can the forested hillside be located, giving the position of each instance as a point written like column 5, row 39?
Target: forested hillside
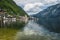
column 11, row 7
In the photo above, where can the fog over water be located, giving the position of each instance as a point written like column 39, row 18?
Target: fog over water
column 34, row 31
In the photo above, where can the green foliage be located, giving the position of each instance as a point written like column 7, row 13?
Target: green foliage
column 11, row 7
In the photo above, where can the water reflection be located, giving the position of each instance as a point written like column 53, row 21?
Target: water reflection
column 12, row 23
column 33, row 31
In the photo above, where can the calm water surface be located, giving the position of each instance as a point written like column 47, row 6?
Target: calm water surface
column 34, row 31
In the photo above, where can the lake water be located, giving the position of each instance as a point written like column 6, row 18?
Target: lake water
column 34, row 31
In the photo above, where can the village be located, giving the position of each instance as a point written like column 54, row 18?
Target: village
column 6, row 18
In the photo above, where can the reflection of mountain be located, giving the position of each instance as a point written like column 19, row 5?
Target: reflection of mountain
column 50, row 18
column 11, row 7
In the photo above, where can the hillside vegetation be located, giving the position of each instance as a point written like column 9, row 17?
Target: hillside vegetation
column 11, row 7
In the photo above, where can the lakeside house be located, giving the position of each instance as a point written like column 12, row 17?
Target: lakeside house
column 10, row 18
column 6, row 18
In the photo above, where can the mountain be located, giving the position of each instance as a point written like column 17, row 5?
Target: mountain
column 33, row 8
column 50, row 18
column 11, row 7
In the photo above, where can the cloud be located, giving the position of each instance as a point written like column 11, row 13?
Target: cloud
column 28, row 6
column 33, row 1
column 35, row 6
column 32, row 5
column 50, row 1
column 26, row 1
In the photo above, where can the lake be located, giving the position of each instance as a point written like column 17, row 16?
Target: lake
column 34, row 31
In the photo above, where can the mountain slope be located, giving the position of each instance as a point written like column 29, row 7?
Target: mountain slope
column 50, row 18
column 11, row 7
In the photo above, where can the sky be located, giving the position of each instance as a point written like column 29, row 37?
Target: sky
column 35, row 6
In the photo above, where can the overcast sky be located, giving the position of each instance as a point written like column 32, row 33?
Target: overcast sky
column 33, row 1
column 30, row 4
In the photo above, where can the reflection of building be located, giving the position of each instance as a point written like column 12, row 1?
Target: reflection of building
column 33, row 18
column 23, row 18
column 2, row 14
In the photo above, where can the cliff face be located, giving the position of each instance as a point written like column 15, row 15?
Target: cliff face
column 11, row 7
column 50, row 18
